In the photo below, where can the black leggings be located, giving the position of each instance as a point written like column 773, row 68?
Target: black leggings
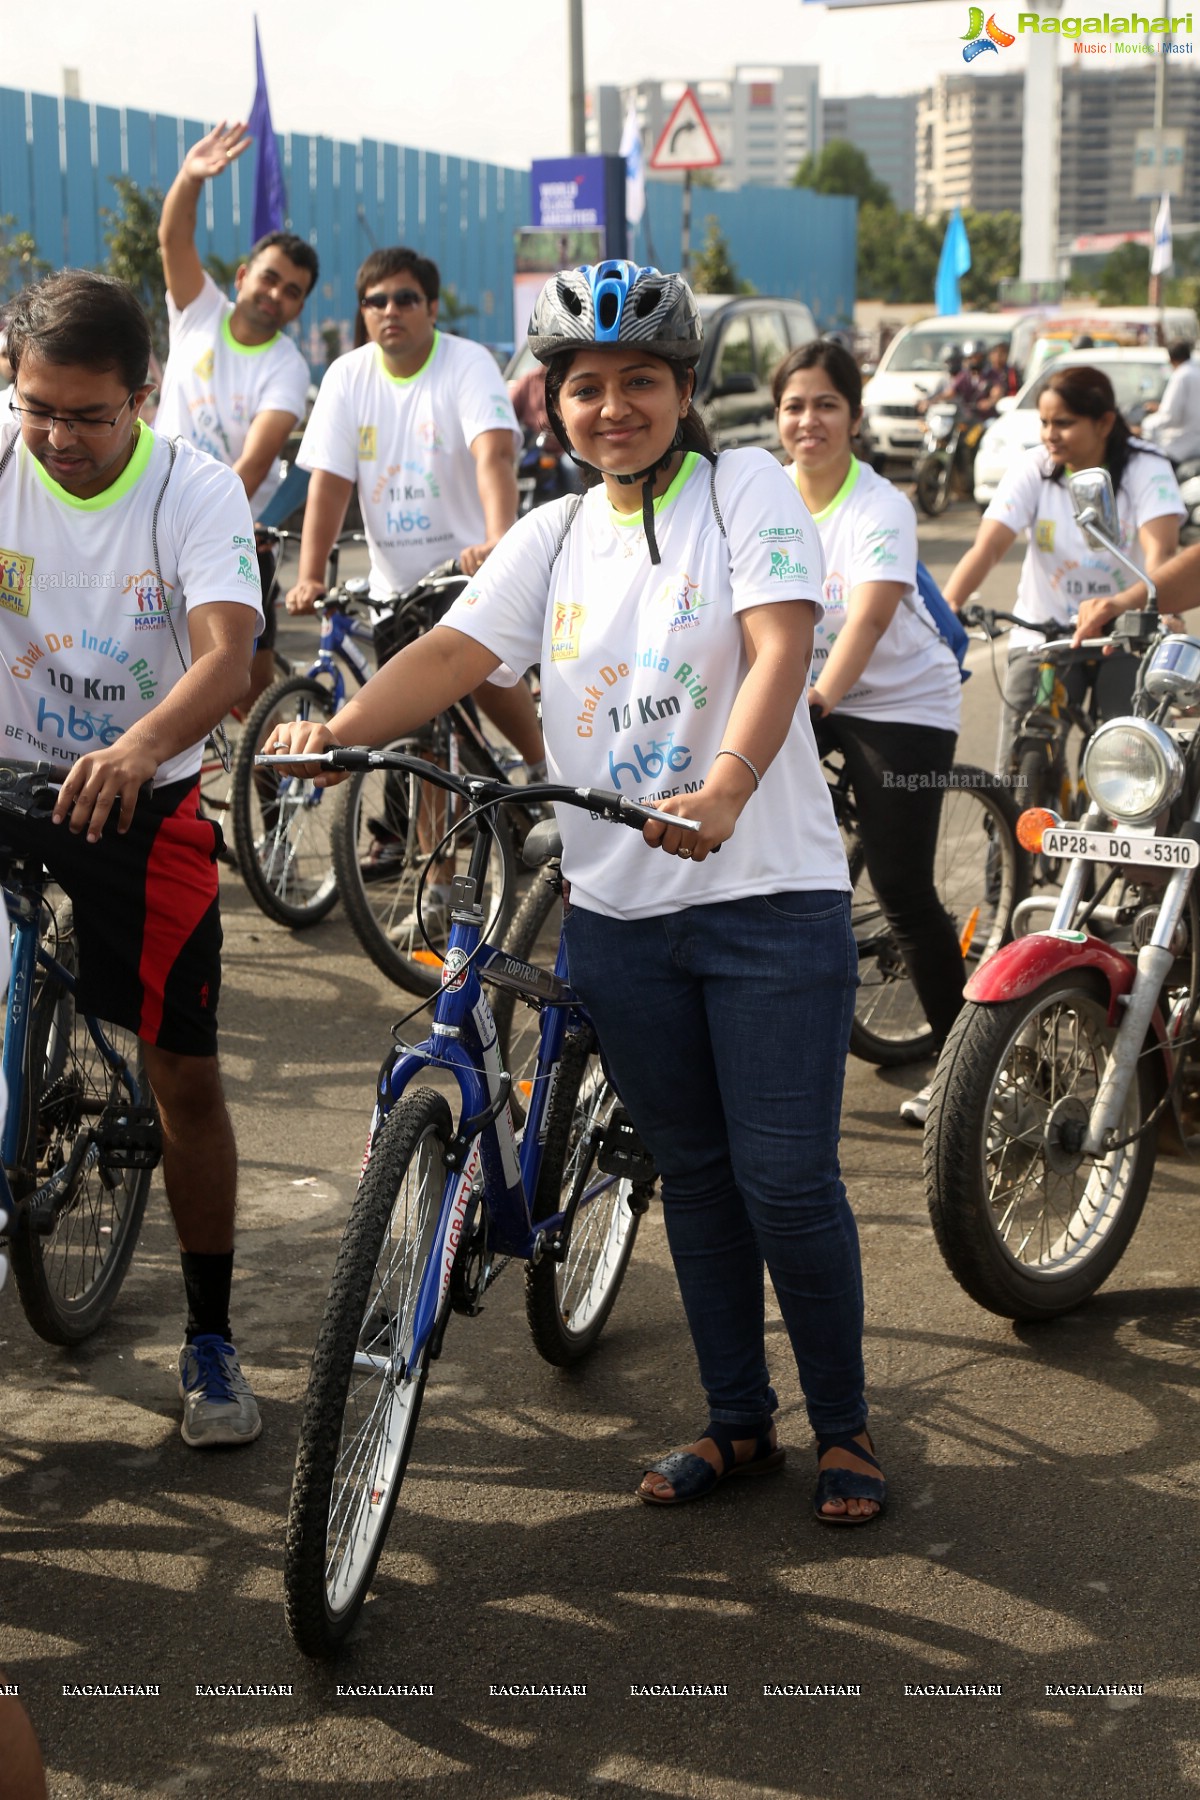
column 898, row 824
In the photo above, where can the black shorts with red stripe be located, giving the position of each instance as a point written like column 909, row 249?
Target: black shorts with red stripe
column 147, row 919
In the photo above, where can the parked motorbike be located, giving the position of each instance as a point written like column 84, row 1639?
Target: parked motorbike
column 1074, row 1058
column 947, row 465
column 544, row 473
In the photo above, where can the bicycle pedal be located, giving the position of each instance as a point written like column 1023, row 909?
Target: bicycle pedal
column 622, row 1152
column 130, row 1137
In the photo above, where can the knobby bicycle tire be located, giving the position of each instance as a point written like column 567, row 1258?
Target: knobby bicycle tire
column 981, row 875
column 216, row 781
column 357, row 1426
column 568, row 1303
column 281, row 822
column 385, row 825
column 69, row 1278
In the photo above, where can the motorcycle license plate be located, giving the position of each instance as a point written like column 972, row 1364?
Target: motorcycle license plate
column 1121, row 847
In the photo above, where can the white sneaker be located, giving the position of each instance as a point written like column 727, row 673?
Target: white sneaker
column 218, row 1406
column 435, row 916
column 915, row 1110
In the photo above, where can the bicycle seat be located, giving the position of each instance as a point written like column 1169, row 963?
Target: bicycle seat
column 542, row 844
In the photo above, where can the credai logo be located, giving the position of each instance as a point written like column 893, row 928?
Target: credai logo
column 1162, row 31
column 979, row 37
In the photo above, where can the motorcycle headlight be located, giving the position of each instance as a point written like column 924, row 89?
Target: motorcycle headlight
column 1132, row 769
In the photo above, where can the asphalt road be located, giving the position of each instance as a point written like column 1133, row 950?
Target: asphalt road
column 1045, row 1486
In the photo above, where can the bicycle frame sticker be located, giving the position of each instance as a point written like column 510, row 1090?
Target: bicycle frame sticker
column 454, row 969
column 458, row 1212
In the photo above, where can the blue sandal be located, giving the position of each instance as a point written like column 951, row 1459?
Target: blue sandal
column 848, row 1484
column 692, row 1476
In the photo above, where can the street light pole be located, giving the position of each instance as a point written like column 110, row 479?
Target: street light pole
column 575, row 51
column 1160, row 120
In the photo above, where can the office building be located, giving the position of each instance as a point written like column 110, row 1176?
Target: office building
column 884, row 128
column 765, row 120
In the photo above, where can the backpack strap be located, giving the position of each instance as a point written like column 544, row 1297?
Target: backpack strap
column 9, row 453
column 712, row 494
column 569, row 520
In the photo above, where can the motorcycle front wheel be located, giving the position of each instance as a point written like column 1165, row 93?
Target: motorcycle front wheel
column 933, row 485
column 1029, row 1224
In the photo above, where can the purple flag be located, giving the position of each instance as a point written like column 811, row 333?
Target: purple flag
column 270, row 196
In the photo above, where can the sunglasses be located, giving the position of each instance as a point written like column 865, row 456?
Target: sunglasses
column 402, row 297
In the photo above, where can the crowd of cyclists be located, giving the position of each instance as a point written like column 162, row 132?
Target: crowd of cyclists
column 131, row 620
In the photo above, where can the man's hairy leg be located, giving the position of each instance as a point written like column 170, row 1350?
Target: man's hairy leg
column 199, row 1151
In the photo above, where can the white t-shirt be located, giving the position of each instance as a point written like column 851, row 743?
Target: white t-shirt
column 406, row 440
column 640, row 666
column 1061, row 569
column 213, row 388
column 869, row 533
column 1175, row 427
column 85, row 638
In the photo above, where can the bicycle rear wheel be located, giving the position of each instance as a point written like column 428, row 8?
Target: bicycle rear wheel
column 365, row 1388
column 281, row 823
column 518, row 1024
column 981, row 874
column 385, row 826
column 568, row 1302
column 70, row 1275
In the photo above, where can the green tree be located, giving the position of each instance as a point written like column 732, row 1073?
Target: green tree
column 712, row 270
column 841, row 168
column 19, row 261
column 131, row 233
column 451, row 310
column 897, row 255
column 223, row 269
column 1124, row 278
column 995, row 240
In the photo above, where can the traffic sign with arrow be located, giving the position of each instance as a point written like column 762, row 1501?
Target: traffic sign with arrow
column 686, row 141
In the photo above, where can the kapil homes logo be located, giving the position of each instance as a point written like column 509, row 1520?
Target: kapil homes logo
column 979, row 37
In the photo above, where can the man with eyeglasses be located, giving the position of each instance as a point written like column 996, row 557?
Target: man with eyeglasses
column 235, row 384
column 129, row 602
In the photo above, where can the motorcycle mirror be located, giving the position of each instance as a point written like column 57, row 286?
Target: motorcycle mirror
column 1095, row 507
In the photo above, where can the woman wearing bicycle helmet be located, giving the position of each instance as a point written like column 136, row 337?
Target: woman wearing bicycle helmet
column 1081, row 429
column 884, row 685
column 672, row 612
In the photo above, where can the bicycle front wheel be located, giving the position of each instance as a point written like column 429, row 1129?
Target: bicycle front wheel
column 281, row 823
column 568, row 1302
column 387, row 824
column 70, row 1274
column 980, row 873
column 366, row 1386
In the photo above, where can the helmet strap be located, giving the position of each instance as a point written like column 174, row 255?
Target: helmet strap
column 648, row 477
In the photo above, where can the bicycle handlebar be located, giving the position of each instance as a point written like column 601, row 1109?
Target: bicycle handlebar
column 482, row 791
column 339, row 598
column 1056, row 649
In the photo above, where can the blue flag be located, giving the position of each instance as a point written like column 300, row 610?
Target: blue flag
column 270, row 196
column 953, row 264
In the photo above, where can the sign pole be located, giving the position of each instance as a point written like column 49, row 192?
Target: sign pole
column 1155, row 295
column 685, row 225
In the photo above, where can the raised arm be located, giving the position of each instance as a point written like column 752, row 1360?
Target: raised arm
column 213, row 154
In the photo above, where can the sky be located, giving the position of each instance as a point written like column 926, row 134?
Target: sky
column 479, row 78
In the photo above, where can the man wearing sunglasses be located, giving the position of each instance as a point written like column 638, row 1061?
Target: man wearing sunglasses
column 421, row 421
column 129, row 601
column 235, row 384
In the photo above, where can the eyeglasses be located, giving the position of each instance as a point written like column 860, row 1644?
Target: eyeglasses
column 401, row 297
column 82, row 428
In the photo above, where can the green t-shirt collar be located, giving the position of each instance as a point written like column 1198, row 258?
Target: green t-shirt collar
column 231, row 342
column 843, row 494
column 130, row 475
column 683, row 475
column 403, row 380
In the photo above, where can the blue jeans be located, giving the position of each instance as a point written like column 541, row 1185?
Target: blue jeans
column 725, row 1029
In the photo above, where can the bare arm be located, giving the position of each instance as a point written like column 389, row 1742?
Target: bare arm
column 213, row 154
column 324, row 514
column 991, row 542
column 268, row 433
column 1159, row 539
column 222, row 641
column 496, row 479
column 416, row 685
column 871, row 609
column 779, row 641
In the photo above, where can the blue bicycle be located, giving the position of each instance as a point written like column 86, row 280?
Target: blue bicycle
column 443, row 1204
column 81, row 1137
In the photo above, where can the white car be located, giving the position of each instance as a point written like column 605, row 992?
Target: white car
column 914, row 366
column 1138, row 375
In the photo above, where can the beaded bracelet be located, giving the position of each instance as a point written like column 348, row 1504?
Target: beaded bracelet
column 748, row 763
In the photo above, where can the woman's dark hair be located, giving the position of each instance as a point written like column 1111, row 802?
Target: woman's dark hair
column 1089, row 393
column 693, row 433
column 837, row 363
column 79, row 317
column 396, row 260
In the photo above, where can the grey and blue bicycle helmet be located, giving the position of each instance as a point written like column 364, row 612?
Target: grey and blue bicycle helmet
column 615, row 303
